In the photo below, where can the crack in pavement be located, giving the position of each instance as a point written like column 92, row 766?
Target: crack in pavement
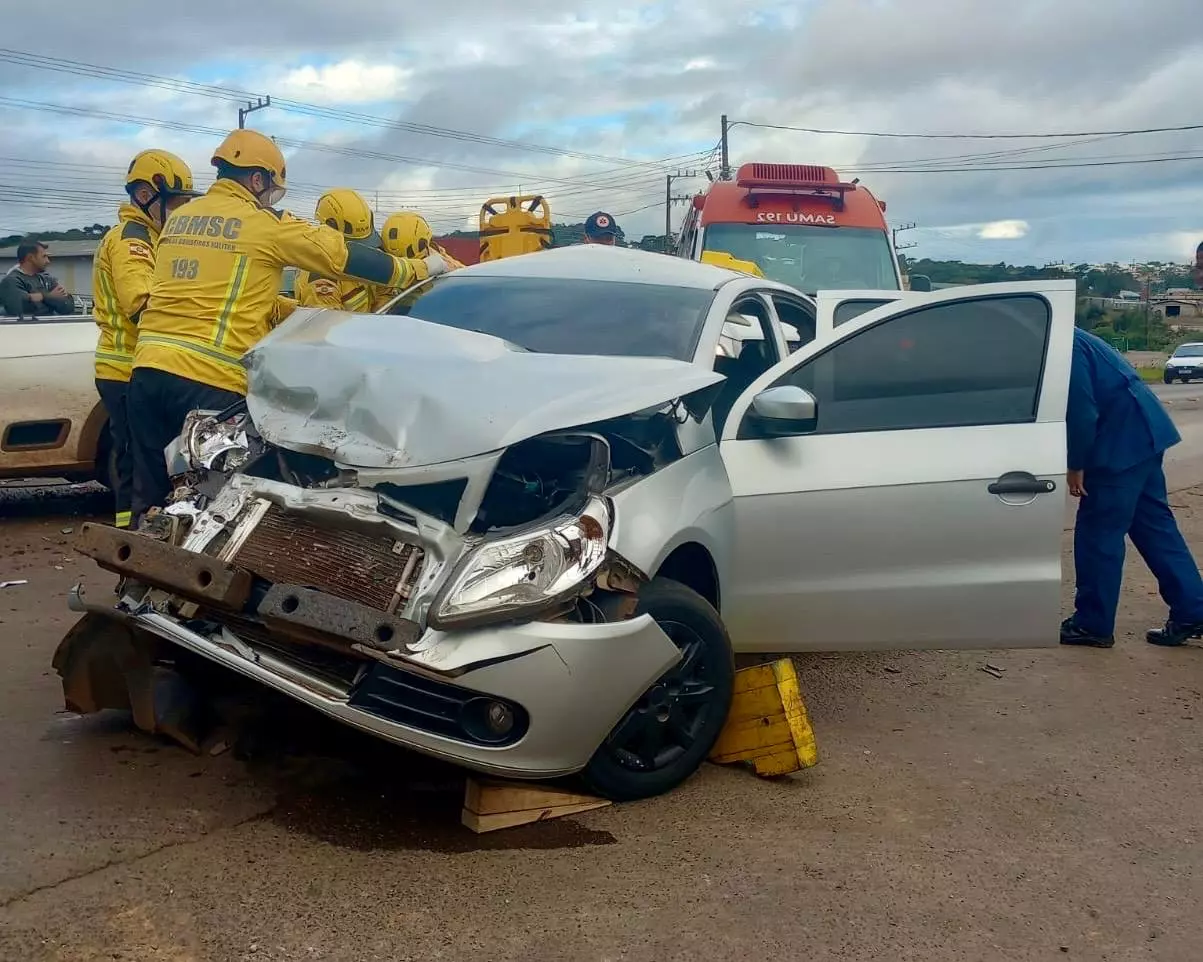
column 130, row 860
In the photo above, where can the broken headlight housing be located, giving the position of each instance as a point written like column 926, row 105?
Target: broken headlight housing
column 209, row 444
column 518, row 575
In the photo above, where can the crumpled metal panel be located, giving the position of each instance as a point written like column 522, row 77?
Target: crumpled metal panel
column 392, row 392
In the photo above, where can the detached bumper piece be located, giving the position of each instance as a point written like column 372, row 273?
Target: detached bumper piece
column 162, row 565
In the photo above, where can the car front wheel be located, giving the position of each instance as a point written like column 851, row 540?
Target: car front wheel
column 670, row 730
column 1168, row 378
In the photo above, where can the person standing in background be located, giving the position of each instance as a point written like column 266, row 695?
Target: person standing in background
column 29, row 289
column 1117, row 434
column 600, row 228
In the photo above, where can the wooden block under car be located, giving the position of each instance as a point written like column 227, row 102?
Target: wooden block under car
column 768, row 726
column 490, row 805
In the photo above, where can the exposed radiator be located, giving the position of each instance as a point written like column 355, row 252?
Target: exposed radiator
column 285, row 548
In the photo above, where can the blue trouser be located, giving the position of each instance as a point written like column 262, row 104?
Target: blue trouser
column 1133, row 503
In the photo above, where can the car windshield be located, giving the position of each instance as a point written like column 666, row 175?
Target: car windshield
column 1189, row 350
column 565, row 315
column 811, row 259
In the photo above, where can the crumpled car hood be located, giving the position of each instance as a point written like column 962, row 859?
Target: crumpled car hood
column 381, row 391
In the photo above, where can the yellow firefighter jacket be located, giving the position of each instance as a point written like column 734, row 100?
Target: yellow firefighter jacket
column 382, row 295
column 315, row 290
column 121, row 276
column 218, row 271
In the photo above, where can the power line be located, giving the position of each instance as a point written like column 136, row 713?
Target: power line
column 1051, row 166
column 900, row 136
column 512, row 176
column 137, row 78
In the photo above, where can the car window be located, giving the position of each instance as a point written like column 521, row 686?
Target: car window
column 811, row 258
column 801, row 316
column 966, row 362
column 565, row 315
column 847, row 311
column 1189, row 350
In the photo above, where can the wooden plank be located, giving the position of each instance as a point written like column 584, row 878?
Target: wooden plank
column 768, row 725
column 490, row 805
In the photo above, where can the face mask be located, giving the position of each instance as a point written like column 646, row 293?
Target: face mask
column 271, row 196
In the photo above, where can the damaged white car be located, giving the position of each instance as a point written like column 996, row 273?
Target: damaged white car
column 523, row 521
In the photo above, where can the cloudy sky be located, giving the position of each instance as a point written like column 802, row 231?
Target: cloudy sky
column 436, row 106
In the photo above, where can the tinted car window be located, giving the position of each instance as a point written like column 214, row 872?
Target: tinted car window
column 1189, row 350
column 946, row 365
column 567, row 316
column 847, row 311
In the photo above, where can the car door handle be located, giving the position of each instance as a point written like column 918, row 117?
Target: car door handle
column 1020, row 482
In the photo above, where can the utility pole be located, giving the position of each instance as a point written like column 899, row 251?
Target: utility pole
column 668, row 211
column 669, row 199
column 898, row 230
column 250, row 108
column 725, row 164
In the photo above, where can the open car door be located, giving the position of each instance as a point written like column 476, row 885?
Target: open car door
column 900, row 483
column 835, row 308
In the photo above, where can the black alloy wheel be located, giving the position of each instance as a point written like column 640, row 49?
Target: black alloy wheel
column 669, row 731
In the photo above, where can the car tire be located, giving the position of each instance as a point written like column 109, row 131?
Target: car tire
column 669, row 731
column 1167, row 378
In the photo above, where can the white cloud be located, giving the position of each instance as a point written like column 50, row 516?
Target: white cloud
column 648, row 79
column 346, row 82
column 1004, row 230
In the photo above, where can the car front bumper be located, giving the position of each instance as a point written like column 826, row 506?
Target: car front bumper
column 569, row 682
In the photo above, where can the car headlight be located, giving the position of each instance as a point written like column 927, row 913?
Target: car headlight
column 520, row 574
column 208, row 444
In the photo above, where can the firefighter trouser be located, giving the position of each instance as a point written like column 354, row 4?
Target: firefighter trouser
column 120, row 467
column 158, row 404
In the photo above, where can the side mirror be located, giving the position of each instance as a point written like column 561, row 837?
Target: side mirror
column 920, row 282
column 785, row 411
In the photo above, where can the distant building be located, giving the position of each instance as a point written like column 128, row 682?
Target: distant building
column 70, row 262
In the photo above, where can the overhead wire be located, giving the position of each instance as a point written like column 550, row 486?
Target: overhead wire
column 231, row 95
column 1009, row 136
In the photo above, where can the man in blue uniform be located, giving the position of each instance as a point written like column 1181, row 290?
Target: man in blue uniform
column 1117, row 433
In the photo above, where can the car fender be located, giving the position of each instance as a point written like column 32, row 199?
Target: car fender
column 689, row 501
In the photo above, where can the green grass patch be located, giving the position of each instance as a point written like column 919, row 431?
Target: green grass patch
column 1151, row 375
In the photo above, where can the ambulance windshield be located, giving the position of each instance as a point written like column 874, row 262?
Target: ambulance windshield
column 811, row 259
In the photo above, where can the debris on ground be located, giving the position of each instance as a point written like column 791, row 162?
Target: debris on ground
column 13, row 584
column 992, row 671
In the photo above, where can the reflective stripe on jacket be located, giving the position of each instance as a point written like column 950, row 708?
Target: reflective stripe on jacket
column 122, row 271
column 218, row 272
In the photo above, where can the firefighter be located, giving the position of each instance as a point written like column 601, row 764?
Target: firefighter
column 349, row 214
column 218, row 270
column 157, row 183
column 406, row 234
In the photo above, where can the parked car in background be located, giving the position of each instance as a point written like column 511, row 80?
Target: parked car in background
column 524, row 524
column 1185, row 364
column 52, row 424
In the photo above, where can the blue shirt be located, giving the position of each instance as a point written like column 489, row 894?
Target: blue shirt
column 1113, row 420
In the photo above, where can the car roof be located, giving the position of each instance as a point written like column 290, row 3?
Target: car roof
column 1190, row 344
column 596, row 262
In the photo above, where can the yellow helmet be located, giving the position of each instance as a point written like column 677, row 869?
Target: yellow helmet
column 163, row 171
column 349, row 214
column 407, row 235
column 251, row 150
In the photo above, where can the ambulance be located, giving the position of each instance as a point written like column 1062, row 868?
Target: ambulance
column 799, row 224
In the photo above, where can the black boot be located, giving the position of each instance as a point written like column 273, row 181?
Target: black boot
column 1174, row 634
column 1071, row 634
